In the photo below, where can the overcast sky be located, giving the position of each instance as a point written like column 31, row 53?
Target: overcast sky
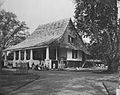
column 36, row 12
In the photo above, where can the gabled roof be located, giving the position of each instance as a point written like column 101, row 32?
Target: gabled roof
column 44, row 34
column 48, row 34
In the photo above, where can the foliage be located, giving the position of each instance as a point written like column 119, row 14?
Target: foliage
column 97, row 19
column 12, row 30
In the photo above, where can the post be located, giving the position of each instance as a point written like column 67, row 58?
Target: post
column 31, row 58
column 14, row 59
column 14, row 56
column 25, row 55
column 5, row 60
column 19, row 55
column 47, row 60
column 31, row 54
column 5, row 56
column 47, row 53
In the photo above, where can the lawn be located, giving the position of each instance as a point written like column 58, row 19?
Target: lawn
column 58, row 83
column 11, row 81
column 69, row 83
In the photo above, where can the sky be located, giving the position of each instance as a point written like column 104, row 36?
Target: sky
column 36, row 12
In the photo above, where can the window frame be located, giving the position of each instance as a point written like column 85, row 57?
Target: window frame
column 74, row 54
column 70, row 39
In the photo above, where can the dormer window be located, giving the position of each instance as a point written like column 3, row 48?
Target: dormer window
column 70, row 39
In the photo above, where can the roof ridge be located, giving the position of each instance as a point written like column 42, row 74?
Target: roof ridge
column 67, row 19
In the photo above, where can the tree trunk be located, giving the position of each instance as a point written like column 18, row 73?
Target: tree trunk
column 113, row 66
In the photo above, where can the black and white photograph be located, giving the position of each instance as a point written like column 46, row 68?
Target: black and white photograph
column 59, row 47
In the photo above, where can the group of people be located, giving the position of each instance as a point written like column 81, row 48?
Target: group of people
column 39, row 67
column 43, row 66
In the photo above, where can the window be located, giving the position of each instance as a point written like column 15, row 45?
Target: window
column 74, row 54
column 70, row 39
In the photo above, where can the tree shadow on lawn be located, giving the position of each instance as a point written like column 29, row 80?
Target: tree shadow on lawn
column 109, row 84
column 110, row 87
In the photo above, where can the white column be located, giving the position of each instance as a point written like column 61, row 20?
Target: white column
column 31, row 58
column 47, row 60
column 25, row 55
column 56, row 54
column 5, row 56
column 14, row 56
column 47, row 53
column 31, row 54
column 19, row 55
column 5, row 60
column 14, row 59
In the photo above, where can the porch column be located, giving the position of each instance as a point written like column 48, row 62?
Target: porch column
column 47, row 60
column 56, row 54
column 47, row 53
column 14, row 56
column 25, row 55
column 5, row 56
column 14, row 59
column 31, row 54
column 5, row 60
column 31, row 58
column 19, row 55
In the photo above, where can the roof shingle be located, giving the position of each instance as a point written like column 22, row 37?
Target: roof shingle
column 44, row 34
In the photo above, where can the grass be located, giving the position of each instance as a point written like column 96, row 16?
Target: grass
column 57, row 83
column 68, row 82
column 10, row 81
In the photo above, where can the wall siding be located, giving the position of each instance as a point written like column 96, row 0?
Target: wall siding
column 62, row 53
column 70, row 30
column 69, row 55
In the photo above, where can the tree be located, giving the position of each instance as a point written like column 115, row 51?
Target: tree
column 12, row 31
column 97, row 19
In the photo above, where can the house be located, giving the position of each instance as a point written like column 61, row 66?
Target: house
column 54, row 45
